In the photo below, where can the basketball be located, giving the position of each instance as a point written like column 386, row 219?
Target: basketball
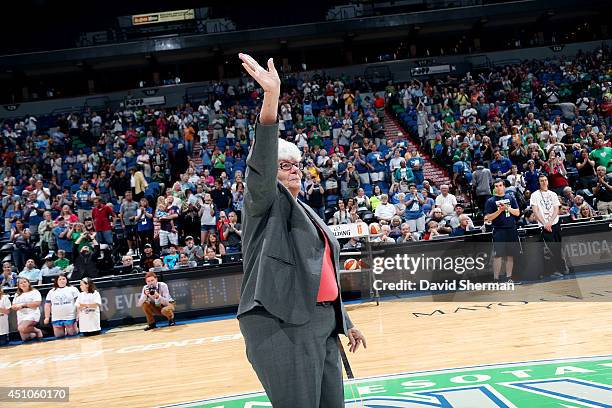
column 351, row 264
column 374, row 228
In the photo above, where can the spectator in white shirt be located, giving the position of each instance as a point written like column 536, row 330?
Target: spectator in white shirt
column 60, row 303
column 470, row 113
column 301, row 139
column 385, row 210
column 27, row 305
column 446, row 201
column 545, row 205
column 342, row 216
column 394, row 163
column 49, row 270
column 88, row 304
column 384, row 237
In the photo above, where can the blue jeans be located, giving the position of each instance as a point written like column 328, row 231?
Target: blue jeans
column 19, row 258
column 189, row 146
column 104, row 237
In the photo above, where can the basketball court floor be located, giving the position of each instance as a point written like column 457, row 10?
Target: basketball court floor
column 545, row 347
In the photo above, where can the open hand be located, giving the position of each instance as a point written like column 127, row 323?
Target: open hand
column 268, row 80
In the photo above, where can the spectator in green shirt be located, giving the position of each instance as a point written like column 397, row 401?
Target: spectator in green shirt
column 324, row 125
column 61, row 262
column 602, row 156
column 314, row 139
column 82, row 238
column 218, row 162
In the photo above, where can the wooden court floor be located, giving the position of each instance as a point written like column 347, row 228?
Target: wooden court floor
column 133, row 368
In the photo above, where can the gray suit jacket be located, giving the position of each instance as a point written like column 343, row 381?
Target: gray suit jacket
column 282, row 249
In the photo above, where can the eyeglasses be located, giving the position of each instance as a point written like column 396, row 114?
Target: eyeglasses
column 287, row 166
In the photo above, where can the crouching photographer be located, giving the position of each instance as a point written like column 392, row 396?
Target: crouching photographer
column 156, row 300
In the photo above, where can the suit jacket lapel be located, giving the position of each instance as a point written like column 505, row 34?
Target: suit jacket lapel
column 331, row 239
column 314, row 217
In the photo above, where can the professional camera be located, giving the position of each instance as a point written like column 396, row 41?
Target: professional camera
column 152, row 291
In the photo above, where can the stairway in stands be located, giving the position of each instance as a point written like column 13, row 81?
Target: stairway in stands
column 432, row 170
column 196, row 156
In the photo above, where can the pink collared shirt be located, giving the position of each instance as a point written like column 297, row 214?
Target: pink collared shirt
column 328, row 288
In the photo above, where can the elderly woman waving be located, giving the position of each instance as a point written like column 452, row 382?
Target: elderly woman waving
column 290, row 310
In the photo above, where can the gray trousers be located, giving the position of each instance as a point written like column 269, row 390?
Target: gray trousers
column 298, row 365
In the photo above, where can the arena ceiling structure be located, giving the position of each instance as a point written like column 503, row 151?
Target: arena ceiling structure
column 101, row 40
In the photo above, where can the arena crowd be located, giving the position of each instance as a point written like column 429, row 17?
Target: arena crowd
column 160, row 188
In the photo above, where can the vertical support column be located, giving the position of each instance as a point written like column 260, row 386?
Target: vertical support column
column 219, row 62
column 476, row 44
column 413, row 50
column 284, row 57
column 220, row 70
column 348, row 48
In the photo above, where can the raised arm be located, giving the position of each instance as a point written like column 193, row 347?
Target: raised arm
column 262, row 162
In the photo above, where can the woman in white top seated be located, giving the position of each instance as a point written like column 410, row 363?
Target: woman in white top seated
column 88, row 304
column 27, row 305
column 60, row 307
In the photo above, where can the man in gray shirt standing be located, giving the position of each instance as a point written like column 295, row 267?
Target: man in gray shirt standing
column 482, row 180
column 128, row 214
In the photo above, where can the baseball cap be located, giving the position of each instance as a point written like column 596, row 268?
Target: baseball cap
column 188, row 237
column 148, row 246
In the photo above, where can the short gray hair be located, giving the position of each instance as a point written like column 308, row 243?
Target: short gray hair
column 288, row 151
